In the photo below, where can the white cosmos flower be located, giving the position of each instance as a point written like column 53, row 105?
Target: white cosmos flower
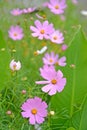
column 15, row 66
column 42, row 50
column 84, row 12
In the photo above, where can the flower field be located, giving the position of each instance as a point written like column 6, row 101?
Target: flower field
column 43, row 58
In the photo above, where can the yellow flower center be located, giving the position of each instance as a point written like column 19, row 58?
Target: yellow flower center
column 14, row 66
column 35, row 53
column 42, row 31
column 51, row 60
column 56, row 7
column 53, row 81
column 15, row 34
column 56, row 63
column 55, row 38
column 34, row 111
column 44, row 16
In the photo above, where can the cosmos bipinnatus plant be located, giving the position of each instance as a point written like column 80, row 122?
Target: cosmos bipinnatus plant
column 43, row 65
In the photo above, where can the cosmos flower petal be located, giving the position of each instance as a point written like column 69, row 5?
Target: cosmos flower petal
column 52, row 91
column 32, row 120
column 44, row 105
column 47, row 88
column 33, row 28
column 34, row 34
column 59, row 74
column 40, row 37
column 61, row 84
column 62, row 61
column 39, row 119
column 45, row 24
column 26, row 114
column 42, row 82
column 38, row 24
column 42, row 114
column 48, row 72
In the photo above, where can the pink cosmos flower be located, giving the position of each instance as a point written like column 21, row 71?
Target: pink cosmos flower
column 42, row 30
column 28, row 10
column 16, row 12
column 57, row 37
column 35, row 110
column 61, row 61
column 64, row 47
column 53, row 79
column 15, row 66
column 16, row 32
column 45, row 4
column 57, row 6
column 52, row 59
column 75, row 1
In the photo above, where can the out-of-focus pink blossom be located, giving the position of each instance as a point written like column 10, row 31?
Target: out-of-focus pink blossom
column 57, row 37
column 16, row 12
column 75, row 1
column 64, row 47
column 16, row 32
column 28, row 10
column 57, row 6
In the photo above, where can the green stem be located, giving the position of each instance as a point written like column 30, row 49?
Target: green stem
column 73, row 94
column 73, row 87
column 82, row 107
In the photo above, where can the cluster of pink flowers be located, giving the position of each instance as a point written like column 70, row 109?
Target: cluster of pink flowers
column 54, row 81
column 46, row 31
column 17, row 11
